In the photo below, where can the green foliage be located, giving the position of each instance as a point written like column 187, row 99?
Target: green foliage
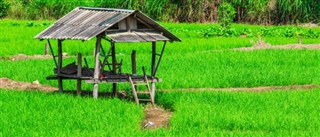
column 231, row 68
column 287, row 32
column 4, row 6
column 277, row 113
column 247, row 11
column 196, row 62
column 40, row 114
column 226, row 15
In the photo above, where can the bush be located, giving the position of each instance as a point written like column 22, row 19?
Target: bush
column 4, row 6
column 226, row 14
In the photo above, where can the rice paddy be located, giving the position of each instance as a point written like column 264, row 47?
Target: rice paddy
column 197, row 62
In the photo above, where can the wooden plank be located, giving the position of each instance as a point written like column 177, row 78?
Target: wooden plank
column 96, row 67
column 122, row 80
column 131, row 23
column 60, row 83
column 79, row 70
column 153, row 59
column 122, row 24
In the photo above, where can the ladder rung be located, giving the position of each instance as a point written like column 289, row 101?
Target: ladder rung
column 144, row 99
column 143, row 92
column 141, row 84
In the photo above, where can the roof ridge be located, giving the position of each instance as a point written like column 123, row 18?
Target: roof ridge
column 106, row 9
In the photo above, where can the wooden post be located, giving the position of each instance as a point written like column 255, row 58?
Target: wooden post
column 134, row 62
column 96, row 67
column 60, row 84
column 114, row 71
column 299, row 39
column 153, row 68
column 46, row 49
column 153, row 91
column 79, row 73
column 153, row 59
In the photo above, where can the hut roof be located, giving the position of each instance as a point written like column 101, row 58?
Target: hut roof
column 121, row 25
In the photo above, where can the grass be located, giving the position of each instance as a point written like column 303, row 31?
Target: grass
column 217, row 69
column 18, row 34
column 40, row 114
column 277, row 113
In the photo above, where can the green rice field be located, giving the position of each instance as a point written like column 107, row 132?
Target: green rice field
column 196, row 62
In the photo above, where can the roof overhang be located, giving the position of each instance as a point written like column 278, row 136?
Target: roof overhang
column 84, row 23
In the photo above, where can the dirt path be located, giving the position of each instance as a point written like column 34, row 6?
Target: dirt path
column 252, row 89
column 261, row 45
column 155, row 117
column 6, row 83
column 26, row 57
column 289, row 46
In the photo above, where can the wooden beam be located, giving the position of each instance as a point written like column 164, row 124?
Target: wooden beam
column 46, row 49
column 134, row 65
column 114, row 67
column 161, row 54
column 153, row 59
column 96, row 73
column 153, row 91
column 60, row 84
column 133, row 62
column 51, row 50
column 79, row 73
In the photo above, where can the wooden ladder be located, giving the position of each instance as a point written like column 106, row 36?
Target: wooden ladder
column 144, row 83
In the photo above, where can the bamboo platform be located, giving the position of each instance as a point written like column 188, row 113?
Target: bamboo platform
column 120, row 78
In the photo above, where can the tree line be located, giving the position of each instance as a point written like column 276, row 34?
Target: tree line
column 202, row 11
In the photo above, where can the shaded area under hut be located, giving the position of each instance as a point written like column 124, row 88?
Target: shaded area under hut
column 114, row 26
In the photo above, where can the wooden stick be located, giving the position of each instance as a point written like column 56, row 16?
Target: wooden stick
column 46, row 48
column 133, row 62
column 79, row 73
column 153, row 91
column 54, row 58
column 153, row 59
column 96, row 67
column 164, row 46
column 60, row 84
column 114, row 71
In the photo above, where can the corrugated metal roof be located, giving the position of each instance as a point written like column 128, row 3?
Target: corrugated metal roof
column 136, row 36
column 84, row 23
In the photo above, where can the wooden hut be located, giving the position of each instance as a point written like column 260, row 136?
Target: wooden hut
column 112, row 25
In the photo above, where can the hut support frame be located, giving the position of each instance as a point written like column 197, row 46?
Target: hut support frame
column 113, row 25
column 96, row 79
